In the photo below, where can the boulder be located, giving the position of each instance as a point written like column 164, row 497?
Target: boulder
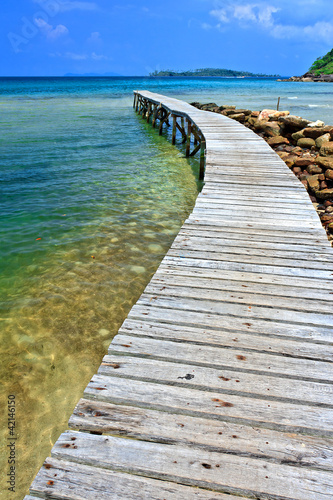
column 226, row 106
column 245, row 112
column 314, row 169
column 255, row 114
column 306, row 142
column 313, row 183
column 303, row 162
column 271, row 128
column 329, row 174
column 325, row 194
column 317, row 123
column 320, row 141
column 272, row 114
column 252, row 120
column 209, row 106
column 276, row 141
column 315, row 132
column 290, row 161
column 240, row 117
column 293, row 123
column 297, row 135
column 326, row 149
column 325, row 162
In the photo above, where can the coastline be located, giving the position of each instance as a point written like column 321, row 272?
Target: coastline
column 306, row 147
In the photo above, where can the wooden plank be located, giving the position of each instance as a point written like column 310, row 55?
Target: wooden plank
column 198, row 303
column 225, row 380
column 196, row 259
column 270, row 414
column 162, row 427
column 217, row 471
column 222, row 357
column 232, row 324
column 211, row 336
column 73, row 481
column 201, row 279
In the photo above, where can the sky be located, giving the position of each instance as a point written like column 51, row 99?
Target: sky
column 134, row 38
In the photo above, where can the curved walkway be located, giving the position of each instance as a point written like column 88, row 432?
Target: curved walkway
column 219, row 383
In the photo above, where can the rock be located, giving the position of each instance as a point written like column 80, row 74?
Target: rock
column 245, row 112
column 255, row 114
column 290, row 161
column 328, row 203
column 303, row 162
column 323, row 185
column 229, row 111
column 252, row 120
column 329, row 210
column 329, row 174
column 324, row 162
column 305, row 183
column 283, row 155
column 297, row 151
column 276, row 141
column 326, row 218
column 326, row 149
column 318, row 123
column 271, row 128
column 313, row 183
column 297, row 170
column 226, row 106
column 240, row 117
column 293, row 123
column 298, row 135
column 325, row 194
column 271, row 114
column 330, row 226
column 314, row 169
column 306, row 142
column 315, row 132
column 321, row 177
column 209, row 106
column 320, row 141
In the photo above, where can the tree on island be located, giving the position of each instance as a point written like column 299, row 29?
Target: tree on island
column 323, row 65
column 208, row 72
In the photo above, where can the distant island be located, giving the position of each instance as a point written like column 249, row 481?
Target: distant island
column 210, row 72
column 320, row 71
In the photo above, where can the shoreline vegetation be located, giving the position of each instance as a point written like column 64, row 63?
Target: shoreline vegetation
column 306, row 147
column 211, row 72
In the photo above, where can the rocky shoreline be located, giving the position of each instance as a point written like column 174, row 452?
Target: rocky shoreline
column 306, row 147
column 309, row 77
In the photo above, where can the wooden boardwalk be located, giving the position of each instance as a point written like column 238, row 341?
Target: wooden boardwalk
column 219, row 383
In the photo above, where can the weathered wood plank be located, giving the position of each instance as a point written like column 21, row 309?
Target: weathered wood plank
column 213, row 435
column 73, row 481
column 225, row 380
column 211, row 336
column 271, row 414
column 233, row 324
column 222, row 357
column 221, row 472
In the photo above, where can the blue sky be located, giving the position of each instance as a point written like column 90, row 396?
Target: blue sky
column 55, row 37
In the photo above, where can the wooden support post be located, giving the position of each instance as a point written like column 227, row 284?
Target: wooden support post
column 162, row 117
column 188, row 140
column 134, row 100
column 174, row 129
column 137, row 102
column 148, row 111
column 182, row 121
column 156, row 107
column 202, row 160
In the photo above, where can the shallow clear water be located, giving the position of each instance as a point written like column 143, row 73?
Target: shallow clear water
column 91, row 199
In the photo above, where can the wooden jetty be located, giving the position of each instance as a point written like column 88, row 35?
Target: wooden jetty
column 219, row 383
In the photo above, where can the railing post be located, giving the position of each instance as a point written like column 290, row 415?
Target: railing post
column 148, row 111
column 188, row 140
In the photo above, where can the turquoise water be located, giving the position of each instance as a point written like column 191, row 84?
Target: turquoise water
column 91, row 199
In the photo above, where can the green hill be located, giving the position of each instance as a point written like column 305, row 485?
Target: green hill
column 207, row 72
column 323, row 65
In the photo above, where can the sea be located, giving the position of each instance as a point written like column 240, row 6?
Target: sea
column 91, row 198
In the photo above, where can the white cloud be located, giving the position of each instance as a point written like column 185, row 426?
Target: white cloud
column 220, row 14
column 49, row 31
column 97, row 57
column 66, row 6
column 95, row 37
column 75, row 57
column 261, row 15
